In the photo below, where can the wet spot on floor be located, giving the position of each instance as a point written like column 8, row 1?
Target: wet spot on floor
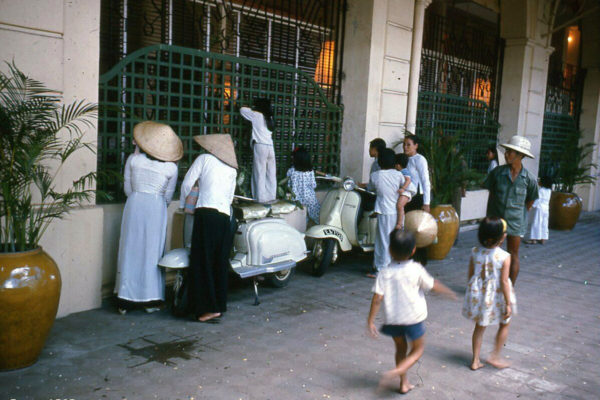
column 164, row 353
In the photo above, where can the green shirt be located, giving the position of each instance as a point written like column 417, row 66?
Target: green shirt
column 508, row 199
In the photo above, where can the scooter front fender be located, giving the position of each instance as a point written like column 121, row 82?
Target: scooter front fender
column 332, row 232
column 175, row 259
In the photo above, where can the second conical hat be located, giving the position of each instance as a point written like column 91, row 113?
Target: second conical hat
column 219, row 145
column 423, row 225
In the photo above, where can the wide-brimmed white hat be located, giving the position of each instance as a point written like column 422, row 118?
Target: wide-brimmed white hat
column 219, row 145
column 423, row 225
column 158, row 140
column 520, row 144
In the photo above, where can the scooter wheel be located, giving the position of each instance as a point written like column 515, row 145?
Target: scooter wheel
column 323, row 256
column 280, row 279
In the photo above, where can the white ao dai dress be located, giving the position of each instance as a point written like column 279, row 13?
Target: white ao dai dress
column 484, row 301
column 149, row 186
column 538, row 215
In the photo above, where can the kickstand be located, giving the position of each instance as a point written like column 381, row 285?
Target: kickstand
column 256, row 302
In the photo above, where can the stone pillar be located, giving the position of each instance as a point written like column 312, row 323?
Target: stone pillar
column 376, row 69
column 415, row 64
column 589, row 121
column 524, row 74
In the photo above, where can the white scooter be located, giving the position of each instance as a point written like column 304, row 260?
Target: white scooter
column 343, row 224
column 263, row 244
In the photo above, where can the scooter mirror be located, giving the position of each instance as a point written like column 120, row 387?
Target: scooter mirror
column 349, row 184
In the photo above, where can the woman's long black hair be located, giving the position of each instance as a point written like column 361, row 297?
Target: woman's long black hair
column 263, row 106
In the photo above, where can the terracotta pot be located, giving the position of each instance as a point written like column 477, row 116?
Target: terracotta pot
column 448, row 222
column 29, row 293
column 564, row 210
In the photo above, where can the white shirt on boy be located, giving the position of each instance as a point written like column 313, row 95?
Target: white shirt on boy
column 402, row 286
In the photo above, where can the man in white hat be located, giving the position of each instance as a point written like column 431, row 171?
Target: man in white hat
column 215, row 173
column 513, row 190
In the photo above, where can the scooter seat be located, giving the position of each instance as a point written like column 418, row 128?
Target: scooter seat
column 247, row 211
column 282, row 207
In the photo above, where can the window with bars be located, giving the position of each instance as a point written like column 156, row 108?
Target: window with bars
column 459, row 85
column 216, row 56
column 305, row 34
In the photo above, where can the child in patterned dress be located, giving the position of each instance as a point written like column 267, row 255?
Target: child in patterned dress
column 301, row 179
column 490, row 298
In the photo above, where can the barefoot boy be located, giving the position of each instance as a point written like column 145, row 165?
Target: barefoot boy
column 400, row 287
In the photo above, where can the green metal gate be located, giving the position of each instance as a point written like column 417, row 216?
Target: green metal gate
column 197, row 92
column 467, row 118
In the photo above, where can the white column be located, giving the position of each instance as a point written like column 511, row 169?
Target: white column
column 376, row 68
column 589, row 121
column 523, row 94
column 415, row 64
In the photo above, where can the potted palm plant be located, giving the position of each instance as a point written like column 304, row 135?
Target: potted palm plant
column 449, row 176
column 37, row 136
column 572, row 168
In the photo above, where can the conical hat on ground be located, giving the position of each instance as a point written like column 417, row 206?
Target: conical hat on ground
column 423, row 225
column 219, row 145
column 158, row 140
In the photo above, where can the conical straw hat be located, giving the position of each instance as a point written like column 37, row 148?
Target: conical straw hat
column 158, row 140
column 423, row 225
column 219, row 145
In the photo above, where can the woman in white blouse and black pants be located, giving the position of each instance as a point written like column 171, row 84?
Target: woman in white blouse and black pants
column 212, row 237
column 419, row 174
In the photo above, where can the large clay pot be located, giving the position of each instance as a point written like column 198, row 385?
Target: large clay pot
column 448, row 222
column 564, row 210
column 29, row 293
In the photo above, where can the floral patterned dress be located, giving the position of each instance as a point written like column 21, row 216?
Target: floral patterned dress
column 484, row 301
column 303, row 185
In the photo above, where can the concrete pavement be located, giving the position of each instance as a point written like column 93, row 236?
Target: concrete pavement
column 308, row 341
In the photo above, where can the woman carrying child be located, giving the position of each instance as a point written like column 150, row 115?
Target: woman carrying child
column 301, row 179
column 400, row 288
column 490, row 298
column 385, row 183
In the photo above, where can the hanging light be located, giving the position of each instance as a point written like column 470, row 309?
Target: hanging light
column 324, row 70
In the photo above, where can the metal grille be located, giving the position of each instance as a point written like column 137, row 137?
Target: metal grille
column 461, row 56
column 555, row 132
column 563, row 104
column 470, row 119
column 198, row 92
column 304, row 34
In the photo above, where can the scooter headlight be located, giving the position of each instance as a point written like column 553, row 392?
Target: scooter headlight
column 349, row 184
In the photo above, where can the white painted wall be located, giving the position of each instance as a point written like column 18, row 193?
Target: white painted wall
column 57, row 42
column 376, row 70
column 525, row 73
column 590, row 106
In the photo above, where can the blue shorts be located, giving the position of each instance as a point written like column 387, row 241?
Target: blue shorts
column 410, row 332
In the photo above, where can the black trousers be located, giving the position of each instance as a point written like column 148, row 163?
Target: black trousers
column 209, row 262
column 415, row 204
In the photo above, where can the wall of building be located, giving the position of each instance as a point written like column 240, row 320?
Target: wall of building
column 590, row 106
column 376, row 71
column 57, row 42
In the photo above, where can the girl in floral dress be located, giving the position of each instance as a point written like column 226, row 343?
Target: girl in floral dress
column 490, row 298
column 301, row 179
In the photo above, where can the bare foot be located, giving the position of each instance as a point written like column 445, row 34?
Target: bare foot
column 475, row 365
column 498, row 362
column 208, row 316
column 406, row 387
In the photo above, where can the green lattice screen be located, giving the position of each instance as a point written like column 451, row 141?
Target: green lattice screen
column 471, row 119
column 554, row 134
column 196, row 93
